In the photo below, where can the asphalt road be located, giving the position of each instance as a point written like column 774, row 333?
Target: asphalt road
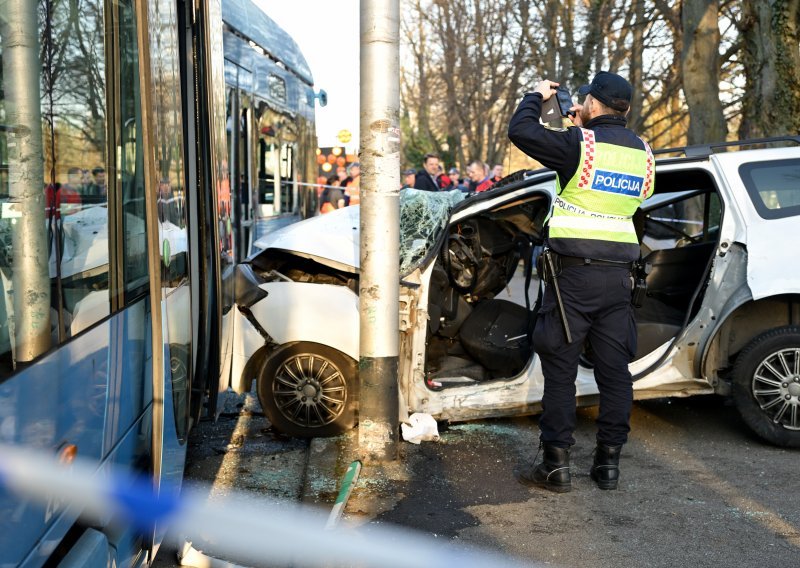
column 697, row 489
column 241, row 452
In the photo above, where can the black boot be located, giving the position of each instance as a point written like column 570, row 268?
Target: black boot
column 605, row 469
column 552, row 473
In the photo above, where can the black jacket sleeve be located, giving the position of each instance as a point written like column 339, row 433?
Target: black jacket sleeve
column 424, row 182
column 558, row 150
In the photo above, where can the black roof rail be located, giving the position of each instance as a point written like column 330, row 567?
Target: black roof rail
column 705, row 150
column 512, row 177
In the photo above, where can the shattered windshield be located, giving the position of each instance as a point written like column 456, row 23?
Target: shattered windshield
column 423, row 217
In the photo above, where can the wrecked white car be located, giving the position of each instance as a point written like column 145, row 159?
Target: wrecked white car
column 721, row 314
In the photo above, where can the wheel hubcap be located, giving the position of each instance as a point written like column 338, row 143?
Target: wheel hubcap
column 310, row 390
column 776, row 387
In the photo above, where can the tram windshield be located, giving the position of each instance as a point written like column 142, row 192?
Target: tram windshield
column 54, row 188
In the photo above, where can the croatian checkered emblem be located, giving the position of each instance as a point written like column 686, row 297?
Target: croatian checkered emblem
column 588, row 158
column 649, row 172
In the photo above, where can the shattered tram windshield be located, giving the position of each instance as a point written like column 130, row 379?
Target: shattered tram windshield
column 423, row 217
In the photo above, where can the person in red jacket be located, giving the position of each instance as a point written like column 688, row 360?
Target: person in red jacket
column 479, row 179
column 63, row 199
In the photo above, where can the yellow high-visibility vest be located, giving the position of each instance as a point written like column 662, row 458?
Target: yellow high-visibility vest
column 592, row 214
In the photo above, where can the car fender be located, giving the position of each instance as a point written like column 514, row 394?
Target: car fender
column 743, row 319
column 303, row 311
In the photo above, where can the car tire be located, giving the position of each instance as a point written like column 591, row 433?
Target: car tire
column 766, row 386
column 309, row 390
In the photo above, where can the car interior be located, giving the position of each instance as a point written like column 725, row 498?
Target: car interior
column 476, row 332
column 479, row 324
column 681, row 230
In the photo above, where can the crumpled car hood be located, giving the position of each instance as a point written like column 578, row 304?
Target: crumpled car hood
column 330, row 239
column 333, row 239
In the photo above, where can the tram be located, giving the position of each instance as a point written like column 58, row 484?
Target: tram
column 118, row 239
column 271, row 134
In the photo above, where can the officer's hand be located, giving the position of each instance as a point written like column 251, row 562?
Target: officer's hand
column 546, row 88
column 576, row 118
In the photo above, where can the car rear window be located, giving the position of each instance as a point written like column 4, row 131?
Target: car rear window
column 773, row 186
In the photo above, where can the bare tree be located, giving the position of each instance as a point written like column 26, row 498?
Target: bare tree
column 700, row 69
column 468, row 63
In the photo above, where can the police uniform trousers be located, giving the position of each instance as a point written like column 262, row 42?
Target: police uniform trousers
column 597, row 302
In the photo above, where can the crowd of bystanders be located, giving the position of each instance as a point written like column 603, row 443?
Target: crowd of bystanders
column 343, row 189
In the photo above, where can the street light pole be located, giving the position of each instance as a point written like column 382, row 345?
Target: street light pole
column 379, row 281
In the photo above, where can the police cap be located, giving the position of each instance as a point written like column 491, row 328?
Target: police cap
column 610, row 89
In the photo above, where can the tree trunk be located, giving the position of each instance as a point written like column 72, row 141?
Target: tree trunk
column 771, row 62
column 700, row 66
column 637, row 67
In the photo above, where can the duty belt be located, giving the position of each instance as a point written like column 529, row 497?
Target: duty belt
column 565, row 261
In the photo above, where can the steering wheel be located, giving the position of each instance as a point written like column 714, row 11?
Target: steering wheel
column 461, row 263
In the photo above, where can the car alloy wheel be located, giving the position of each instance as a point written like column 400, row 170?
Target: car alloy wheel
column 308, row 389
column 776, row 387
column 766, row 385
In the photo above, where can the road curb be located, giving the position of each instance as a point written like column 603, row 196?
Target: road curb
column 378, row 488
column 323, row 465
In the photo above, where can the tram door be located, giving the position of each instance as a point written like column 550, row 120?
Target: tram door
column 276, row 155
column 268, row 180
column 240, row 144
column 288, row 187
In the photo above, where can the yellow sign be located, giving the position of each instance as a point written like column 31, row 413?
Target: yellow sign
column 344, row 136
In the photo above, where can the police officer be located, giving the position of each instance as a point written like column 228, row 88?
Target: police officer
column 605, row 171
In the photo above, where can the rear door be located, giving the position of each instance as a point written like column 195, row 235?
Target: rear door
column 766, row 187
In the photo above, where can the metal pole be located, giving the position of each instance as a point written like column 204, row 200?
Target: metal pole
column 26, row 206
column 379, row 285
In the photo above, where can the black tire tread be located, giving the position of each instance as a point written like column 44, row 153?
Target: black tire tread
column 746, row 362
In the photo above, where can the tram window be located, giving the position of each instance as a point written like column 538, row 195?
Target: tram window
column 54, row 225
column 172, row 234
column 287, row 165
column 74, row 108
column 277, row 88
column 130, row 180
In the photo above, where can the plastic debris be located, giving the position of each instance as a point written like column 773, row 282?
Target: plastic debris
column 420, row 427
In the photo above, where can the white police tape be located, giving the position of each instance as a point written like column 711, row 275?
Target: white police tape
column 241, row 528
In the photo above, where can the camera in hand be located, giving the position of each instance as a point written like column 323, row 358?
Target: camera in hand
column 557, row 107
column 564, row 101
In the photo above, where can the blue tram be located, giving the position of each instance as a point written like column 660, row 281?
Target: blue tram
column 119, row 227
column 270, row 127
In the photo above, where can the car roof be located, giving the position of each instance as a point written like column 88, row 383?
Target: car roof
column 740, row 147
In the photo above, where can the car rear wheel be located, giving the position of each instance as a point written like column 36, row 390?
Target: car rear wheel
column 766, row 386
column 309, row 390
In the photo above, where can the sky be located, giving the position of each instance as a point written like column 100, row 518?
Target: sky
column 327, row 33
